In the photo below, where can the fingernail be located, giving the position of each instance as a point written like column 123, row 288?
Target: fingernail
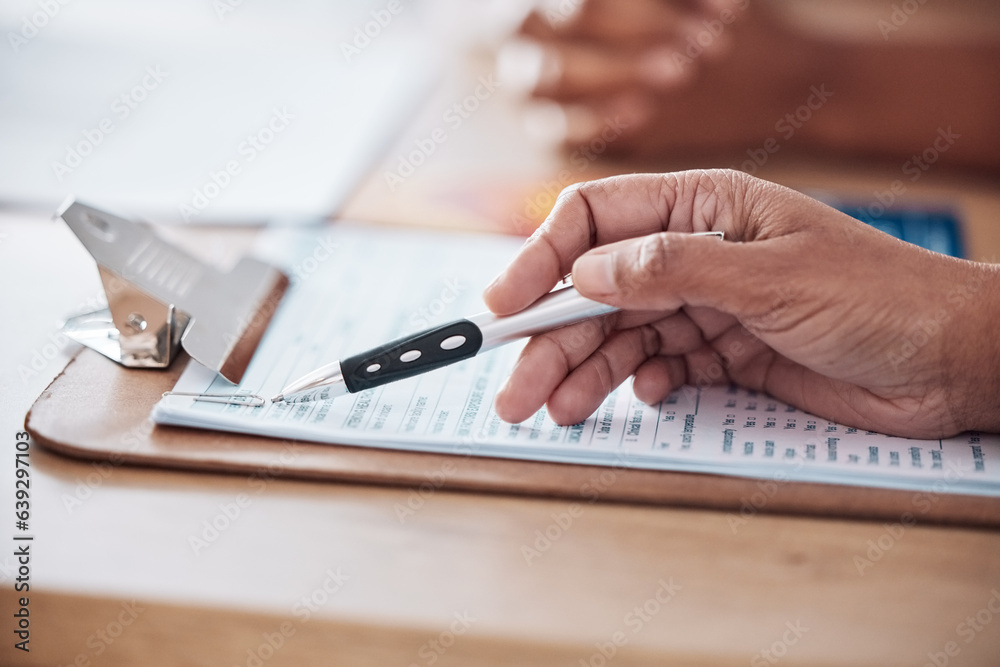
column 594, row 274
column 545, row 122
column 519, row 65
column 496, row 281
column 661, row 69
column 582, row 123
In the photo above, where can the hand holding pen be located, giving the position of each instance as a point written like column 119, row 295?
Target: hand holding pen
column 442, row 345
column 803, row 302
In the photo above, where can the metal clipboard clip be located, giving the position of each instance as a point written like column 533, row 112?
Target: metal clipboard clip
column 161, row 298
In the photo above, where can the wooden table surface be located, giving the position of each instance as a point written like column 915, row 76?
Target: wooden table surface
column 301, row 573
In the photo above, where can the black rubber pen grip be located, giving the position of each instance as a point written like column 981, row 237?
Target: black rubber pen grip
column 412, row 355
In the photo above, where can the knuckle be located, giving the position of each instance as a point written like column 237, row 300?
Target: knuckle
column 736, row 180
column 653, row 253
column 711, row 199
column 656, row 253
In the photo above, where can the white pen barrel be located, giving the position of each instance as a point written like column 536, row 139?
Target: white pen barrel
column 553, row 310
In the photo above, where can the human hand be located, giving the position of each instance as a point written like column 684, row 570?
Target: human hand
column 669, row 71
column 801, row 301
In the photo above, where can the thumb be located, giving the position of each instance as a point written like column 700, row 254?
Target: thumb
column 667, row 270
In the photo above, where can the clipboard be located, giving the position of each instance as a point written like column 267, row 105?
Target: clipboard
column 100, row 411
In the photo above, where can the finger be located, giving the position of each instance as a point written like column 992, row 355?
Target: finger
column 587, row 385
column 652, row 352
column 657, row 377
column 575, row 71
column 638, row 20
column 742, row 357
column 543, row 364
column 710, row 323
column 747, row 361
column 547, row 360
column 678, row 333
column 609, row 210
column 705, row 367
column 669, row 270
column 733, row 355
column 738, row 357
column 585, row 131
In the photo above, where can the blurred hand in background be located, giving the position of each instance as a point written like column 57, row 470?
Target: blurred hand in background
column 876, row 78
column 800, row 300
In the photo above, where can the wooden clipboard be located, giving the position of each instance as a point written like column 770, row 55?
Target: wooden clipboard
column 97, row 410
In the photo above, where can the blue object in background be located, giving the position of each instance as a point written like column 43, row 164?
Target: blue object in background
column 935, row 229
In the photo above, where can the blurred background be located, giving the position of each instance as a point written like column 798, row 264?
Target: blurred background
column 231, row 111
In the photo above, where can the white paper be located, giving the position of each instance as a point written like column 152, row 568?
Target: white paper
column 358, row 287
column 193, row 111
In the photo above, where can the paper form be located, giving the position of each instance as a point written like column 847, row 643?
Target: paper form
column 356, row 287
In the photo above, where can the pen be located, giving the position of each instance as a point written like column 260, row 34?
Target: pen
column 443, row 345
column 440, row 346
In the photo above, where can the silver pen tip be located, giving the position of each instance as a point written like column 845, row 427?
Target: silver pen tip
column 278, row 399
